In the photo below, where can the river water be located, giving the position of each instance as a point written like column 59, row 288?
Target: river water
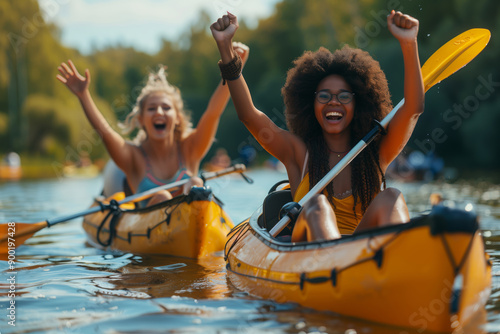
column 63, row 285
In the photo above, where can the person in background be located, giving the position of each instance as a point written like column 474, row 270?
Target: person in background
column 167, row 148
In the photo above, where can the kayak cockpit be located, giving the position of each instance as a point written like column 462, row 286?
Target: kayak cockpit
column 440, row 220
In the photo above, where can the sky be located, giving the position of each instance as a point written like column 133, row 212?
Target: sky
column 88, row 24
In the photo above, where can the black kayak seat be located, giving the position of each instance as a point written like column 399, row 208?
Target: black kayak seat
column 271, row 210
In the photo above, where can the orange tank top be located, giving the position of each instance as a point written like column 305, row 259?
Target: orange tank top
column 346, row 221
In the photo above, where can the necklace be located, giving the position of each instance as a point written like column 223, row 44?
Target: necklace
column 343, row 195
column 339, row 154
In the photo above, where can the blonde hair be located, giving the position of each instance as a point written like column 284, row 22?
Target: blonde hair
column 157, row 83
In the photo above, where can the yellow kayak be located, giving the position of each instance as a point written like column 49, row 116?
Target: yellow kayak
column 431, row 273
column 11, row 173
column 191, row 226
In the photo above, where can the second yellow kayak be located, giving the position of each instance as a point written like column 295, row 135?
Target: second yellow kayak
column 191, row 226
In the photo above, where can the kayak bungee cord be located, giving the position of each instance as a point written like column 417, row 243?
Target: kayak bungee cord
column 115, row 212
column 437, row 224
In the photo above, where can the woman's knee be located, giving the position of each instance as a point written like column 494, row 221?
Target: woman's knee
column 392, row 206
column 317, row 202
column 159, row 197
column 318, row 220
column 390, row 196
column 318, row 208
column 392, row 193
column 388, row 208
column 196, row 181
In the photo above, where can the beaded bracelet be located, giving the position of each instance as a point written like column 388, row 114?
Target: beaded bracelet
column 232, row 70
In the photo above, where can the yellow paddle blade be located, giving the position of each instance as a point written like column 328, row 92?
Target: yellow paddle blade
column 13, row 235
column 454, row 55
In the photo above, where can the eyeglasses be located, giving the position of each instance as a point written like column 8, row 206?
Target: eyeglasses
column 324, row 96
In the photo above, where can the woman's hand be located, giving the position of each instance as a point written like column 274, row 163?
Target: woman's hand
column 194, row 181
column 403, row 27
column 224, row 28
column 69, row 76
column 242, row 50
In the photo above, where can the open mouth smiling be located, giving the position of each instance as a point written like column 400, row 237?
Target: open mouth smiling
column 160, row 125
column 334, row 115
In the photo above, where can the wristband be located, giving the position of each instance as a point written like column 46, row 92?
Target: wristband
column 232, row 70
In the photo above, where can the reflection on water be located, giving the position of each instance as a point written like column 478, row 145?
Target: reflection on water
column 64, row 285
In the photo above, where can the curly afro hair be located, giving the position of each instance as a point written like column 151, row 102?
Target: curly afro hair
column 373, row 102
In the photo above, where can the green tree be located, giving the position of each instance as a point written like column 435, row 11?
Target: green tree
column 38, row 113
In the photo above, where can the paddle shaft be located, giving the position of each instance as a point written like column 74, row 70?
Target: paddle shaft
column 148, row 193
column 144, row 195
column 346, row 160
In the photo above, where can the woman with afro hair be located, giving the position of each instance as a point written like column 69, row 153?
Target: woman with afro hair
column 331, row 101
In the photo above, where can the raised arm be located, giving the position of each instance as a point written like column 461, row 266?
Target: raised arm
column 278, row 142
column 118, row 149
column 201, row 139
column 405, row 29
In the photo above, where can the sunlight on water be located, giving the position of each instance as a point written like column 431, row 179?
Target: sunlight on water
column 65, row 285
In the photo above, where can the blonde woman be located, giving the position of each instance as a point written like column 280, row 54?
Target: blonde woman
column 167, row 148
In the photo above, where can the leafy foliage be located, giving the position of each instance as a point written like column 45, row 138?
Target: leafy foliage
column 38, row 114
